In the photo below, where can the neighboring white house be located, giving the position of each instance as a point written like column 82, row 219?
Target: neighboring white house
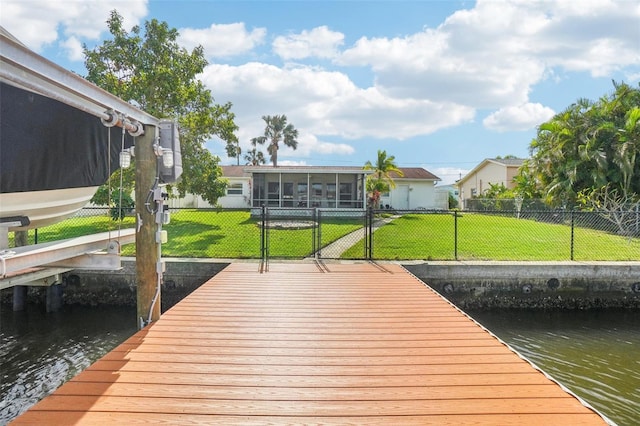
column 238, row 189
column 319, row 186
column 490, row 171
column 415, row 190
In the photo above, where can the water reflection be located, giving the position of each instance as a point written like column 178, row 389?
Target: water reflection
column 593, row 353
column 40, row 351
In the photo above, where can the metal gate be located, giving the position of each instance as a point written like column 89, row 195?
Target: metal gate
column 316, row 233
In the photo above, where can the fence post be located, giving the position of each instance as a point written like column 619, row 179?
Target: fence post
column 315, row 240
column 263, row 230
column 455, row 234
column 370, row 235
column 572, row 233
column 365, row 235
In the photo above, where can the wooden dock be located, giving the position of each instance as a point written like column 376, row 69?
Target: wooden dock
column 302, row 344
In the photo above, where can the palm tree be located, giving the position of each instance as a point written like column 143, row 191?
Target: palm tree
column 384, row 167
column 254, row 157
column 277, row 130
column 381, row 180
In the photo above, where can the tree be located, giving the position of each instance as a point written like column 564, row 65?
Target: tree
column 619, row 209
column 148, row 67
column 589, row 145
column 234, row 150
column 381, row 180
column 375, row 188
column 254, row 157
column 277, row 130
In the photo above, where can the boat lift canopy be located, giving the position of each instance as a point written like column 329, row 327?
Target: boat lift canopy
column 21, row 67
column 24, row 69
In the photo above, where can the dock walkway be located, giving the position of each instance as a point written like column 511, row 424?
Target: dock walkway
column 312, row 344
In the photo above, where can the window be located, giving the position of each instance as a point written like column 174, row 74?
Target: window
column 234, row 189
column 346, row 195
column 273, row 193
column 331, row 195
column 316, row 194
column 287, row 194
column 302, row 195
column 258, row 189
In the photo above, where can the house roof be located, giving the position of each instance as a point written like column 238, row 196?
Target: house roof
column 244, row 171
column 414, row 173
column 304, row 169
column 233, row 171
column 507, row 162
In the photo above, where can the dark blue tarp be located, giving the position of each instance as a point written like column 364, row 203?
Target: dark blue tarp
column 46, row 144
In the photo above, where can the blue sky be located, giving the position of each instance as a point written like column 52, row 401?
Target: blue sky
column 438, row 84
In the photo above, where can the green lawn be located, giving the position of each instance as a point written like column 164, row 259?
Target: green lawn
column 211, row 234
column 235, row 234
column 488, row 237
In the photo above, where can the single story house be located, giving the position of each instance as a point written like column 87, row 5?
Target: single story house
column 416, row 189
column 295, row 186
column 490, row 171
column 324, row 187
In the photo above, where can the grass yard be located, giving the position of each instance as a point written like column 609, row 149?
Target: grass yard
column 489, row 237
column 77, row 227
column 235, row 234
column 211, row 234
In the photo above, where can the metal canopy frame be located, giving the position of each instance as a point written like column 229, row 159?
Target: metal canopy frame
column 74, row 253
column 24, row 68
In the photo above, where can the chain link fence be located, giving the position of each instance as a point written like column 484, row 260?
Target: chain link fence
column 534, row 235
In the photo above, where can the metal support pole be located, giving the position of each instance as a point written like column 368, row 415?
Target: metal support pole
column 19, row 297
column 54, row 296
column 20, row 238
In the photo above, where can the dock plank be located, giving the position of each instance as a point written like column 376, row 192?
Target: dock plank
column 360, row 344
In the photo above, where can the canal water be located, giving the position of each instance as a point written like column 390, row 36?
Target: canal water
column 595, row 354
column 40, row 351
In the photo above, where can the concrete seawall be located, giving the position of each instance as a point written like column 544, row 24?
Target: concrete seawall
column 84, row 287
column 567, row 285
column 470, row 285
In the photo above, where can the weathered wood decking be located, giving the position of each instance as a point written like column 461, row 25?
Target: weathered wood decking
column 357, row 344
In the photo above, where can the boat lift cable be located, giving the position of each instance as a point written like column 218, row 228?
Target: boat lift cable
column 120, row 213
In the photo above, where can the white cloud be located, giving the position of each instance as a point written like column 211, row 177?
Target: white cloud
column 309, row 145
column 515, row 118
column 39, row 23
column 320, row 42
column 326, row 103
column 491, row 56
column 449, row 175
column 223, row 40
column 73, row 47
